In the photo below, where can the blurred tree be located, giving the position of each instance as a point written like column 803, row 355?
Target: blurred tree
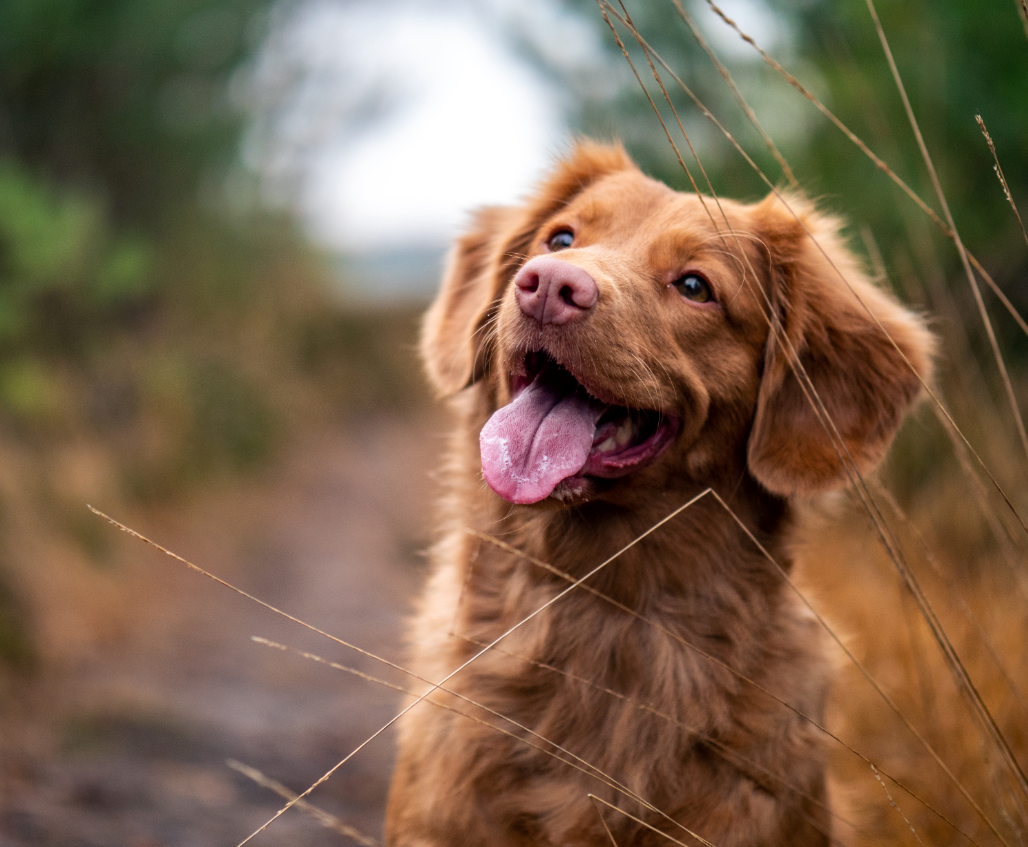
column 957, row 59
column 126, row 98
column 114, row 118
column 116, row 130
column 149, row 312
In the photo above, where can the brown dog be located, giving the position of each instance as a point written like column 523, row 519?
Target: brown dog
column 611, row 352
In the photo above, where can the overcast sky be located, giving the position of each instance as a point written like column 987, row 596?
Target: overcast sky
column 455, row 119
column 463, row 120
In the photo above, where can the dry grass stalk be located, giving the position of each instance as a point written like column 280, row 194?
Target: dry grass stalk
column 433, row 686
column 878, row 162
column 327, row 820
column 999, row 173
column 750, row 114
column 930, row 165
column 571, row 759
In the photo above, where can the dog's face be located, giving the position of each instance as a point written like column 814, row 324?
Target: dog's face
column 625, row 335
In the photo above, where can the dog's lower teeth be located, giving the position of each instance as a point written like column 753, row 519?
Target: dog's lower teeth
column 624, row 433
column 607, row 446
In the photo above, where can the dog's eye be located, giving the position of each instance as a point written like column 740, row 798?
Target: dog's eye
column 694, row 288
column 561, row 240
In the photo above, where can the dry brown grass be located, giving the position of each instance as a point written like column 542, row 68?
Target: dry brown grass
column 985, row 615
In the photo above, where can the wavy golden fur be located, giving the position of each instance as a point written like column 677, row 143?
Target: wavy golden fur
column 668, row 671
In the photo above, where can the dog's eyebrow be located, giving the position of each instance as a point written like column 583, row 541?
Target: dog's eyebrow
column 590, row 209
column 673, row 245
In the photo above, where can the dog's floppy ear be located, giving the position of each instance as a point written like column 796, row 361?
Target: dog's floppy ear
column 449, row 345
column 864, row 354
column 454, row 339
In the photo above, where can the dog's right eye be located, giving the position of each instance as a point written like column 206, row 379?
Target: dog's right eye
column 695, row 288
column 561, row 240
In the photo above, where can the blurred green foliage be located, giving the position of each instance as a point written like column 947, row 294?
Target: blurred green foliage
column 116, row 129
column 144, row 309
column 64, row 270
column 958, row 58
column 125, row 97
column 113, row 119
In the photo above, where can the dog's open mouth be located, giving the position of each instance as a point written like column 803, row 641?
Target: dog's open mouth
column 554, row 430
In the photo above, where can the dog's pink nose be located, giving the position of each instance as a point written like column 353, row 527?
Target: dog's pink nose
column 554, row 291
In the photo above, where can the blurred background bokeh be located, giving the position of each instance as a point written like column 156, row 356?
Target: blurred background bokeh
column 219, row 221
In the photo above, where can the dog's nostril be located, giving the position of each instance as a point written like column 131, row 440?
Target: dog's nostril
column 567, row 294
column 527, row 282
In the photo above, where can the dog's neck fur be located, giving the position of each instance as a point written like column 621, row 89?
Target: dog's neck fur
column 698, row 581
column 664, row 668
column 675, row 560
column 680, row 646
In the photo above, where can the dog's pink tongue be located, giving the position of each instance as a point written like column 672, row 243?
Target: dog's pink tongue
column 543, row 436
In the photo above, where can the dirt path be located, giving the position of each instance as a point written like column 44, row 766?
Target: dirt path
column 128, row 744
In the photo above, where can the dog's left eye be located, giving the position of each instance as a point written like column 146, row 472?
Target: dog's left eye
column 561, row 240
column 695, row 288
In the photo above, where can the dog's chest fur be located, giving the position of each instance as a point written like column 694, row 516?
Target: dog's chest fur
column 664, row 672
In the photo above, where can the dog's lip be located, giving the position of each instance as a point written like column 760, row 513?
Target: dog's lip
column 520, row 379
column 614, row 464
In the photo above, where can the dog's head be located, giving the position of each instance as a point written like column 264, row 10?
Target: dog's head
column 620, row 331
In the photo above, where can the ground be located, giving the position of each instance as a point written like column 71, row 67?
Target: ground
column 127, row 743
